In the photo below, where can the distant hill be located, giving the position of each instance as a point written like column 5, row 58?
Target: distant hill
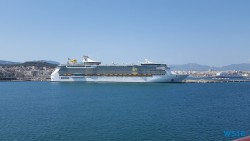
column 50, row 62
column 41, row 63
column 243, row 67
column 2, row 62
column 38, row 64
column 197, row 67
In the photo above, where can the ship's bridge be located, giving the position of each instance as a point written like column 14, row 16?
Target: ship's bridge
column 150, row 63
column 88, row 61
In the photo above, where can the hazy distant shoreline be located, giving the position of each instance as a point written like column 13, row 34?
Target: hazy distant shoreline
column 41, row 70
column 174, row 67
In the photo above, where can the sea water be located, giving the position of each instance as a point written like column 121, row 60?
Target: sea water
column 123, row 111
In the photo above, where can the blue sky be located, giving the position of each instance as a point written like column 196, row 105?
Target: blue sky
column 210, row 32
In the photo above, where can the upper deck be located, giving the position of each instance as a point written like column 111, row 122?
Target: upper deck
column 90, row 67
column 87, row 62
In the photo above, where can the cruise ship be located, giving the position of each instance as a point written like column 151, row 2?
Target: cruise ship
column 234, row 74
column 92, row 71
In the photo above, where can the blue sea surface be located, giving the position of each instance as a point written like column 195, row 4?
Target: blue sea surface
column 81, row 111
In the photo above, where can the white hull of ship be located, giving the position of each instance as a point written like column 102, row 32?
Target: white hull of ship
column 154, row 78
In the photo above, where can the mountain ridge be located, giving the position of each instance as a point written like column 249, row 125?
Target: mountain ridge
column 198, row 67
column 4, row 62
column 40, row 63
column 8, row 62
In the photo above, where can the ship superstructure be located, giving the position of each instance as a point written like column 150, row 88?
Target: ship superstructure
column 90, row 70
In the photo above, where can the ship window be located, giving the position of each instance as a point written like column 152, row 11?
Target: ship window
column 64, row 77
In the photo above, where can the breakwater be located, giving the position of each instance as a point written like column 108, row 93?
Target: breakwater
column 215, row 81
